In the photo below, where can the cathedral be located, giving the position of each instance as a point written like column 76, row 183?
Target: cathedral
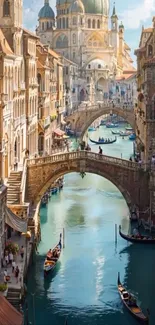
column 80, row 32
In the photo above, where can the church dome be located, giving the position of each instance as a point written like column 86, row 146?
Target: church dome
column 77, row 7
column 46, row 11
column 96, row 7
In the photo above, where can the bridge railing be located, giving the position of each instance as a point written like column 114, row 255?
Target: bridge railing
column 69, row 156
column 99, row 106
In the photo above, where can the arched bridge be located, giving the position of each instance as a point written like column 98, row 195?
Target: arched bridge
column 129, row 178
column 82, row 118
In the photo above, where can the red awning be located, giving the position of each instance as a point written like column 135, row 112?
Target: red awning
column 59, row 132
column 8, row 314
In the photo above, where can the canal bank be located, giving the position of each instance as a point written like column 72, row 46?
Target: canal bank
column 83, row 287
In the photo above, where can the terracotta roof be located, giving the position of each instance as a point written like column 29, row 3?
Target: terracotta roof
column 26, row 31
column 8, row 314
column 126, row 75
column 147, row 30
column 4, row 46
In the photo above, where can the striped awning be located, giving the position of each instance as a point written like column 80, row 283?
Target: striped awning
column 14, row 221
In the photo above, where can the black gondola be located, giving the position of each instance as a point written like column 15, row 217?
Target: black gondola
column 138, row 239
column 131, row 304
column 103, row 141
column 51, row 262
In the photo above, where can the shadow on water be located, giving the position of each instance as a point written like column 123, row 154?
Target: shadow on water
column 44, row 215
column 50, row 277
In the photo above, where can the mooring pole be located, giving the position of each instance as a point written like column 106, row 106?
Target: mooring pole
column 115, row 233
column 63, row 237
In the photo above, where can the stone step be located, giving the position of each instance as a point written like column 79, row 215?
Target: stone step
column 11, row 202
column 14, row 290
column 16, row 194
column 13, row 294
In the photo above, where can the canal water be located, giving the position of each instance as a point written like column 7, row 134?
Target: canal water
column 83, row 287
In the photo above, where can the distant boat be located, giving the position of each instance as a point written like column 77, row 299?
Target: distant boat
column 103, row 122
column 103, row 141
column 132, row 137
column 124, row 133
column 91, row 128
column 112, row 125
column 129, row 129
column 115, row 132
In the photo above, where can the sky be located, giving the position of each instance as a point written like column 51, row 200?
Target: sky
column 133, row 14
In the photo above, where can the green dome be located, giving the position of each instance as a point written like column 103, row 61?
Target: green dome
column 77, row 7
column 46, row 11
column 91, row 6
column 96, row 7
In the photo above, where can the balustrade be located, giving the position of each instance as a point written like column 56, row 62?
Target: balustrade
column 76, row 155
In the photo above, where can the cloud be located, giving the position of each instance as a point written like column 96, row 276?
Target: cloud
column 137, row 15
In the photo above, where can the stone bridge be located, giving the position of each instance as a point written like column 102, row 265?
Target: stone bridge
column 82, row 118
column 127, row 176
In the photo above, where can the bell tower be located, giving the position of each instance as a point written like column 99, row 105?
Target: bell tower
column 11, row 13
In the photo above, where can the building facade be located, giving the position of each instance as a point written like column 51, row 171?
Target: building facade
column 80, row 32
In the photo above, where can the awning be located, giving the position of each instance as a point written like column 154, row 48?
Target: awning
column 8, row 314
column 14, row 221
column 59, row 132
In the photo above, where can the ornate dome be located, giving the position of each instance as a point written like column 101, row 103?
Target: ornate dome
column 77, row 7
column 91, row 6
column 46, row 11
column 96, row 7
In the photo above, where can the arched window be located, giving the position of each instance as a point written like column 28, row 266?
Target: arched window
column 6, row 8
column 74, row 20
column 60, row 23
column 89, row 23
column 64, row 23
column 42, row 26
column 62, row 42
column 150, row 50
column 94, row 24
column 74, row 39
column 39, row 81
column 98, row 24
column 47, row 25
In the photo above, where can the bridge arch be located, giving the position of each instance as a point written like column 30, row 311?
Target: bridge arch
column 125, row 175
column 80, row 121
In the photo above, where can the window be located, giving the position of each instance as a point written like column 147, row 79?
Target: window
column 74, row 39
column 99, row 66
column 66, row 70
column 89, row 66
column 89, row 23
column 6, row 8
column 64, row 23
column 81, row 20
column 98, row 24
column 88, row 80
column 94, row 24
column 42, row 26
column 74, row 20
column 47, row 25
column 62, row 42
column 73, row 55
column 150, row 50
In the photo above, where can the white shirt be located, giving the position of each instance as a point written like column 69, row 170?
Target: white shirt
column 6, row 258
column 14, row 264
column 5, row 273
column 10, row 256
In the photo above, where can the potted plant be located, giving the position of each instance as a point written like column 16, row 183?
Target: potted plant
column 11, row 247
column 3, row 289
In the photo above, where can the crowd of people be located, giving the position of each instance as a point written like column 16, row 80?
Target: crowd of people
column 8, row 261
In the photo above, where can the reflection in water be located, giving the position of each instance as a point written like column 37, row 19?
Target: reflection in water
column 85, row 286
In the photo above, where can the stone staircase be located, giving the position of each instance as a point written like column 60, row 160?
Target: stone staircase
column 14, row 183
column 14, row 298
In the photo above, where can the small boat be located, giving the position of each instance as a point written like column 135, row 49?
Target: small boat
column 115, row 133
column 51, row 262
column 131, row 304
column 91, row 128
column 132, row 136
column 54, row 190
column 124, row 134
column 103, row 122
column 103, row 141
column 112, row 125
column 129, row 129
column 136, row 239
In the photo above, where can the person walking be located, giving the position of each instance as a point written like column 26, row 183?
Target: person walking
column 6, row 259
column 22, row 253
column 17, row 273
column 13, row 266
column 10, row 258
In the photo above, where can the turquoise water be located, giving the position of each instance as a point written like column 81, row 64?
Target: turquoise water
column 83, row 287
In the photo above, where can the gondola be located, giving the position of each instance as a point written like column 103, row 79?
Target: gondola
column 139, row 240
column 131, row 304
column 50, row 263
column 103, row 142
column 129, row 129
column 124, row 134
column 115, row 133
